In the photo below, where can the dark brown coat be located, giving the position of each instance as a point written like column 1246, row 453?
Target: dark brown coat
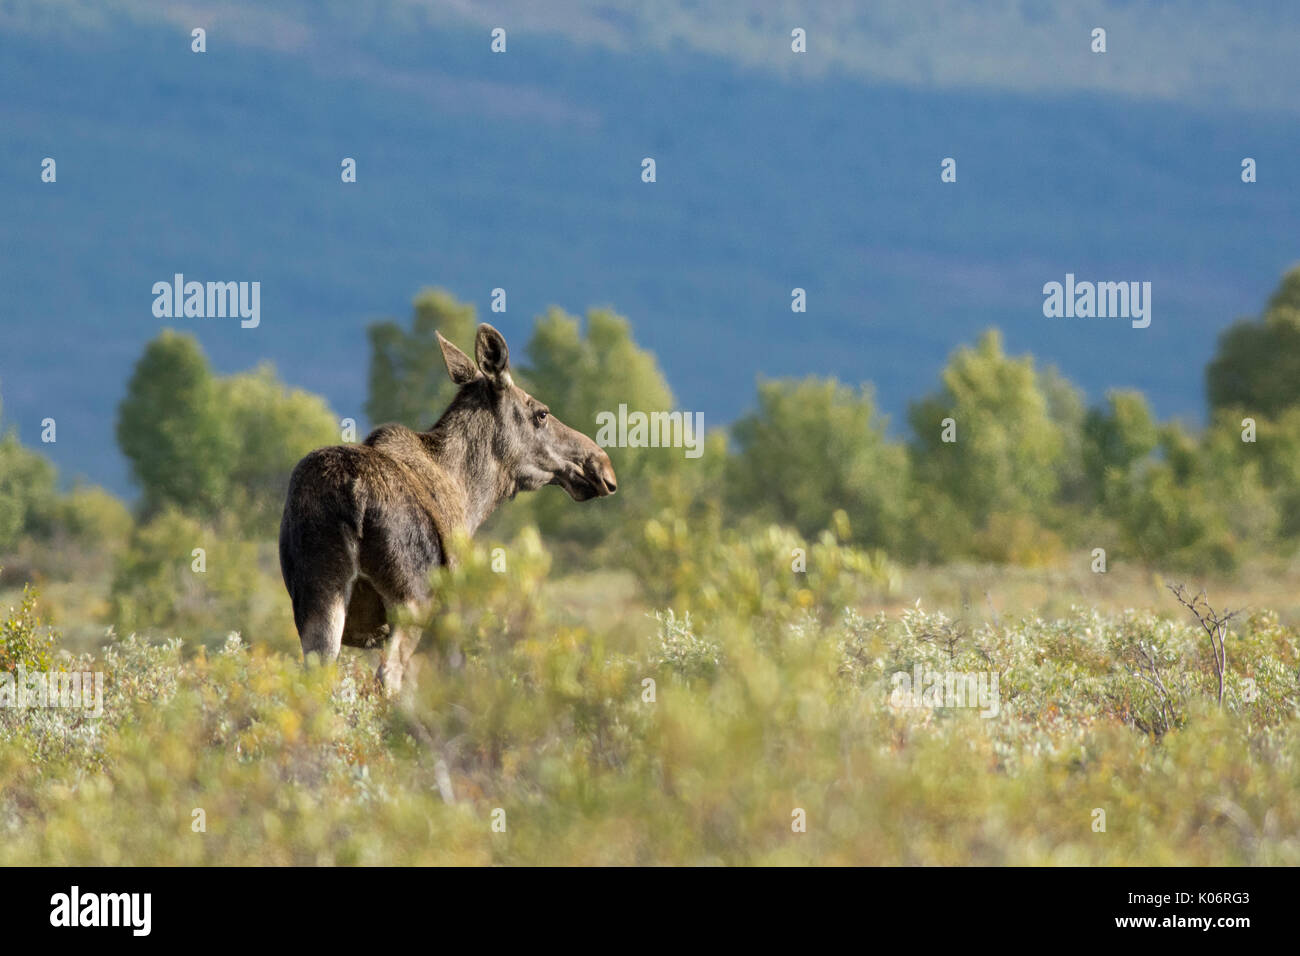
column 363, row 524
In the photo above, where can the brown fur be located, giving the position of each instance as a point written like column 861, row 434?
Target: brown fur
column 363, row 524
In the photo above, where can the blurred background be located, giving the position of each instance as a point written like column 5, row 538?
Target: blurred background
column 775, row 170
column 768, row 591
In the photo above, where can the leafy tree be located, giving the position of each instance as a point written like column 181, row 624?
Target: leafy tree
column 31, row 506
column 1277, row 448
column 1007, row 454
column 814, row 447
column 173, row 430
column 1257, row 365
column 1237, row 477
column 211, row 445
column 1159, row 488
column 28, row 499
column 1116, row 438
column 580, row 373
column 1169, row 513
column 93, row 516
column 273, row 426
column 408, row 380
column 1065, row 406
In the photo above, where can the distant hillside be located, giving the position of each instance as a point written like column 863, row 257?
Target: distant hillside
column 523, row 171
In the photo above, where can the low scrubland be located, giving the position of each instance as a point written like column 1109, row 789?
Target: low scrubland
column 734, row 701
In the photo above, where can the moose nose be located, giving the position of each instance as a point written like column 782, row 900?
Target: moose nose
column 604, row 471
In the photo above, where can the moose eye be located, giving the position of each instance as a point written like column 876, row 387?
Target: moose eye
column 539, row 417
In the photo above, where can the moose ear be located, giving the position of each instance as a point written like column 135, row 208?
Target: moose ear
column 459, row 365
column 493, row 355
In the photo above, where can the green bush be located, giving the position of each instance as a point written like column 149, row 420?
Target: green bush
column 24, row 639
column 94, row 518
column 220, row 448
column 161, row 586
column 857, row 469
column 28, row 499
column 489, row 596
column 691, row 740
column 768, row 574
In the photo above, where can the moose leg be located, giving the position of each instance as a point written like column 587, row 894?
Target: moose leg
column 367, row 623
column 396, row 654
column 321, row 626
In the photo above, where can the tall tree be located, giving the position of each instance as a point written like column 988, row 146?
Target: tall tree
column 273, row 426
column 28, row 498
column 1116, row 438
column 408, row 380
column 813, row 447
column 580, row 373
column 173, row 430
column 1257, row 365
column 1005, row 450
column 212, row 445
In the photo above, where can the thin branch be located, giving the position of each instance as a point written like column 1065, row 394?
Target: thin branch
column 1213, row 623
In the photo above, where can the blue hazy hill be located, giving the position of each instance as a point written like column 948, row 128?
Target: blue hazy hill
column 523, row 171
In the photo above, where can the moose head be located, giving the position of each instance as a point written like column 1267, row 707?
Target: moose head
column 531, row 446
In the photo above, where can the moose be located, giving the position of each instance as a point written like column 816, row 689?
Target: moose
column 363, row 524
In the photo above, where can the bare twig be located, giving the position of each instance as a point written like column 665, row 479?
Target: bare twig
column 1213, row 623
column 1148, row 671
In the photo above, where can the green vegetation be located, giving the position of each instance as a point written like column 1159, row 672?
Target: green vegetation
column 24, row 640
column 46, row 532
column 858, row 469
column 1003, row 463
column 758, row 708
column 1258, row 363
column 215, row 446
column 668, row 675
column 408, row 379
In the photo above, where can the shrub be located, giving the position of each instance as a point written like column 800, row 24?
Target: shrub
column 95, row 518
column 24, row 640
column 770, row 573
column 158, row 588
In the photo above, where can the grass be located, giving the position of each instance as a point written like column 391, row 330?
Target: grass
column 597, row 731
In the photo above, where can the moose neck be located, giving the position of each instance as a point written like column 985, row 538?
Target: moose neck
column 461, row 444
